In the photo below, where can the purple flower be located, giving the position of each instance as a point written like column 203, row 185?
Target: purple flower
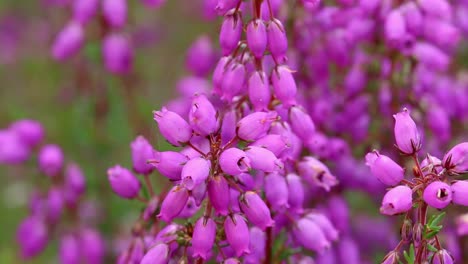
column 407, row 136
column 256, row 210
column 395, row 28
column 237, row 234
column 217, row 190
column 460, row 192
column 169, row 163
column 68, row 42
column 117, row 54
column 259, row 90
column 174, row 203
column 30, row 132
column 223, row 6
column 325, row 225
column 158, row 254
column 276, row 190
column 442, row 257
column 274, row 143
column 218, row 74
column 316, row 173
column 233, row 81
column 173, row 127
column 301, row 123
column 295, row 192
column 204, row 234
column 123, row 182
column 85, row 10
column 284, row 85
column 456, row 159
column 384, row 168
column 230, row 34
column 391, row 258
column 462, row 225
column 12, row 149
column 436, row 8
column 115, row 12
column 200, row 56
column 277, row 40
column 309, row 235
column 397, row 200
column 255, row 125
column 195, row 172
column 32, row 237
column 75, row 180
column 438, row 194
column 262, row 159
column 203, row 115
column 55, row 204
column 431, row 56
column 257, row 37
column 51, row 160
column 142, row 151
column 92, row 246
column 69, row 250
column 234, row 161
column 231, row 261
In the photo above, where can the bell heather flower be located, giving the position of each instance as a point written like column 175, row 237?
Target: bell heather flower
column 397, row 200
column 202, row 115
column 195, row 172
column 442, row 257
column 223, row 6
column 92, row 246
column 301, row 123
column 233, row 81
column 173, row 127
column 85, row 10
column 28, row 131
column 32, row 236
column 263, row 159
column 259, row 90
column 277, row 40
column 316, row 173
column 309, row 235
column 54, row 204
column 274, row 143
column 395, row 28
column 217, row 192
column 200, row 56
column 437, row 194
column 325, row 225
column 237, row 234
column 456, row 159
column 158, row 254
column 407, row 136
column 74, row 179
column 257, row 246
column 460, row 192
column 257, row 37
column 115, row 12
column 204, row 234
column 284, row 85
column 117, row 54
column 296, row 193
column 276, row 190
column 68, row 42
column 230, row 34
column 173, row 204
column 169, row 163
column 384, row 168
column 51, row 160
column 256, row 210
column 431, row 56
column 123, row 182
column 142, row 152
column 69, row 250
column 12, row 149
column 255, row 125
column 234, row 161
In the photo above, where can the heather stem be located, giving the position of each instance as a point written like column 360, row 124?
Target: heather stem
column 269, row 244
column 422, row 220
column 149, row 184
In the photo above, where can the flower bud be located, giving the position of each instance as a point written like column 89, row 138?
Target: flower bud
column 230, row 34
column 195, row 172
column 262, row 159
column 257, row 246
column 12, row 149
column 276, row 191
column 173, row 127
column 259, row 91
column 284, row 85
column 237, row 234
column 462, row 224
column 407, row 136
column 431, row 56
column 391, row 258
column 158, row 254
column 233, row 81
column 203, row 238
column 309, row 235
column 51, row 160
column 55, row 204
column 30, row 132
column 85, row 10
column 349, row 251
column 142, row 152
column 69, row 250
column 395, row 28
column 301, row 123
column 202, row 116
column 257, row 37
column 228, row 127
column 418, row 230
column 295, row 192
column 225, row 5
column 92, row 246
column 123, row 182
column 436, row 8
column 74, row 179
column 456, row 159
column 277, row 40
column 255, row 125
column 200, row 56
column 413, row 17
column 442, row 257
column 397, row 200
column 117, row 54
column 115, row 12
column 218, row 189
column 438, row 194
column 384, row 168
column 68, row 42
column 325, row 225
column 316, row 173
column 218, row 74
column 256, row 210
column 32, row 237
column 274, row 143
column 460, row 192
column 174, row 203
column 406, row 230
column 234, row 161
column 169, row 163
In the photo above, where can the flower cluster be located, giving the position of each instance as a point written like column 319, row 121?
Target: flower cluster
column 58, row 210
column 433, row 184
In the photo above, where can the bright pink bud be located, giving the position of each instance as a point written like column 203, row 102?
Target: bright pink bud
column 68, row 42
column 218, row 74
column 259, row 91
column 173, row 127
column 123, row 182
column 438, row 194
column 30, row 132
column 437, row 8
column 218, row 189
column 256, row 210
column 117, row 54
column 237, row 234
column 262, row 159
column 277, row 40
column 204, row 234
column 442, row 257
column 75, row 180
column 55, row 204
column 395, row 28
column 384, row 168
column 225, row 5
column 195, row 172
column 255, row 125
column 142, row 152
column 174, row 203
column 309, row 235
column 234, row 161
column 295, row 192
column 84, row 10
column 233, row 81
column 257, row 37
column 276, row 191
column 202, row 115
column 158, row 254
column 397, row 200
column 51, row 160
column 325, row 225
column 230, row 34
column 301, row 123
column 115, row 12
column 284, row 85
column 169, row 163
column 200, row 56
column 316, row 173
column 32, row 237
column 274, row 143
column 92, row 246
column 456, row 159
column 460, row 192
column 13, row 150
column 407, row 136
column 228, row 127
column 431, row 56
column 69, row 250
